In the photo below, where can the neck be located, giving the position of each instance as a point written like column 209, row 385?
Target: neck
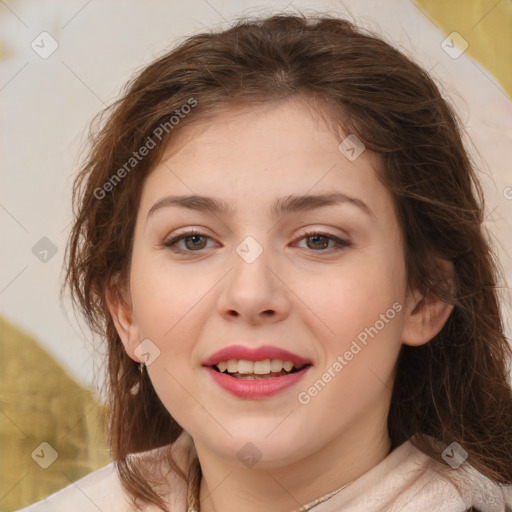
column 228, row 487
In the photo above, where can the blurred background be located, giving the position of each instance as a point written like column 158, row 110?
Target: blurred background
column 60, row 64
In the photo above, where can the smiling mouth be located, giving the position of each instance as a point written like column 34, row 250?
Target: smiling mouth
column 258, row 370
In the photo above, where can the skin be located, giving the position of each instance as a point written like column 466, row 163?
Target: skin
column 296, row 295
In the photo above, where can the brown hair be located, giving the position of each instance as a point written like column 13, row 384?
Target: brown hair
column 453, row 388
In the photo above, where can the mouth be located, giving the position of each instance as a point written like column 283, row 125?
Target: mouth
column 256, row 386
column 257, row 370
column 250, row 373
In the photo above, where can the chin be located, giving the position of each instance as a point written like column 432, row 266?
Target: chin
column 260, row 443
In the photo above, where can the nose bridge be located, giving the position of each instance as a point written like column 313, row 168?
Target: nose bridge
column 250, row 250
column 251, row 262
column 252, row 288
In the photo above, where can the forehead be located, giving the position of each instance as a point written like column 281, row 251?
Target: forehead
column 261, row 153
column 266, row 129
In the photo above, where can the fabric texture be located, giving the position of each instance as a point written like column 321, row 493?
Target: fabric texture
column 406, row 480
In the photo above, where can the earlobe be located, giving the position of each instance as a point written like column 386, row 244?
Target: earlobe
column 426, row 315
column 122, row 316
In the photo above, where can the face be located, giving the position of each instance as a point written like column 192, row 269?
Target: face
column 324, row 281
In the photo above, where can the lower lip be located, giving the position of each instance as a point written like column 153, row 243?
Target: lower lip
column 256, row 388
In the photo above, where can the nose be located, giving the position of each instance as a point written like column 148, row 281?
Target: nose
column 255, row 290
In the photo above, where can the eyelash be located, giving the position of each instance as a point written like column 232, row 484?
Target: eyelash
column 340, row 244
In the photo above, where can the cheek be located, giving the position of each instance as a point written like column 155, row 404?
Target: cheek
column 168, row 307
column 356, row 368
column 362, row 317
column 164, row 297
column 355, row 296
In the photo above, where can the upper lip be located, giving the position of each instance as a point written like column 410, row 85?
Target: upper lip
column 254, row 354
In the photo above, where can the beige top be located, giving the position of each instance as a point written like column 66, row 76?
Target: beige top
column 406, row 480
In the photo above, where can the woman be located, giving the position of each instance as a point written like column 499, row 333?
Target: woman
column 336, row 342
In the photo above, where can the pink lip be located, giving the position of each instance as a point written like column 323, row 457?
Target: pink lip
column 257, row 388
column 254, row 354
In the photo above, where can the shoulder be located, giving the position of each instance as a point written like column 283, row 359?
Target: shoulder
column 102, row 489
column 408, row 479
column 480, row 492
column 467, row 485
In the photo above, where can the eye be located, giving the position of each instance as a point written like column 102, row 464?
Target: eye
column 195, row 241
column 192, row 241
column 321, row 240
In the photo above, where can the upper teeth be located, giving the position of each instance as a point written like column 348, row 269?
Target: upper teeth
column 257, row 367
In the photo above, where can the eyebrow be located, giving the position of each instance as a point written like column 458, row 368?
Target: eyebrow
column 281, row 207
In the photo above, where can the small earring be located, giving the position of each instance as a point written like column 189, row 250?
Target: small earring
column 141, row 368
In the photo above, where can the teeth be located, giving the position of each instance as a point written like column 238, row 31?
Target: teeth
column 232, row 365
column 261, row 367
column 245, row 366
column 264, row 367
column 276, row 365
column 288, row 365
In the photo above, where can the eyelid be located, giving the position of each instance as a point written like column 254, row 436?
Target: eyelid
column 311, row 231
column 340, row 242
column 180, row 235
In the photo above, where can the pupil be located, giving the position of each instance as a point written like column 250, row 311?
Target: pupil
column 194, row 237
column 324, row 245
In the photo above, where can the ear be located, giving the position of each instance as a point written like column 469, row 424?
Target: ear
column 427, row 314
column 122, row 315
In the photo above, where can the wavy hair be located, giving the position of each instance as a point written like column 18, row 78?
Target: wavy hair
column 453, row 388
